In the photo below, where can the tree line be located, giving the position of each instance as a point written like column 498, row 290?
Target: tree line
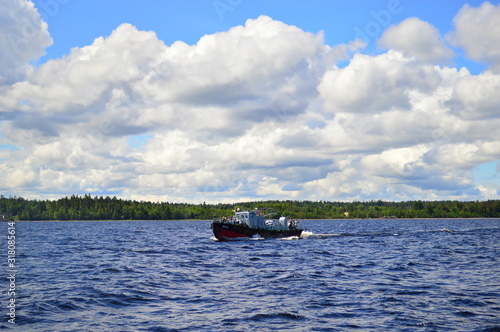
column 106, row 208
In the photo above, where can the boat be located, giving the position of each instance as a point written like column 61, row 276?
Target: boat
column 253, row 224
column 5, row 216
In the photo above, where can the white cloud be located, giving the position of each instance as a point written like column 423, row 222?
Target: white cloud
column 75, row 82
column 405, row 124
column 417, row 39
column 476, row 30
column 23, row 38
column 404, row 163
column 478, row 97
column 260, row 111
column 376, row 84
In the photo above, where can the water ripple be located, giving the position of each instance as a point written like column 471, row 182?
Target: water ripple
column 367, row 275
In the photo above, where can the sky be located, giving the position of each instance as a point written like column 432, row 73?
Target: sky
column 238, row 100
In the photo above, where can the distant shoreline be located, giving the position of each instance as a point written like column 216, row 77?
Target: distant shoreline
column 79, row 208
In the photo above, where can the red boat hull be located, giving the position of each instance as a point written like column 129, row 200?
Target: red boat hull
column 225, row 231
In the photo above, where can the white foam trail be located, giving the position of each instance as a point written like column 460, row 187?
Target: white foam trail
column 290, row 238
column 311, row 235
column 306, row 234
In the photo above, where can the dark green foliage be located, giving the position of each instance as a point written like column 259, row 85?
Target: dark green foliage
column 104, row 208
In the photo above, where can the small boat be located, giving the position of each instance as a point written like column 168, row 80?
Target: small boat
column 253, row 224
column 5, row 216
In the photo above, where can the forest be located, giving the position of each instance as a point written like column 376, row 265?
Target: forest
column 106, row 208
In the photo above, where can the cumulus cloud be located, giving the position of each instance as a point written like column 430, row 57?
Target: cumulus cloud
column 260, row 111
column 78, row 80
column 24, row 38
column 376, row 84
column 477, row 97
column 82, row 107
column 476, row 30
column 417, row 39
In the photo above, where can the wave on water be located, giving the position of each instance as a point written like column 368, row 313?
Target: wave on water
column 312, row 235
column 290, row 238
column 418, row 275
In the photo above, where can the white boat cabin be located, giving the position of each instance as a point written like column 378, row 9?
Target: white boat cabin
column 251, row 218
column 256, row 219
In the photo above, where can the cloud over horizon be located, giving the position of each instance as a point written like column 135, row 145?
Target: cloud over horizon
column 261, row 111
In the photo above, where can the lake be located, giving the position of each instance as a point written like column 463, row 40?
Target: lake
column 362, row 275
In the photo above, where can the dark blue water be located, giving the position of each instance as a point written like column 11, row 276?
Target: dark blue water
column 364, row 275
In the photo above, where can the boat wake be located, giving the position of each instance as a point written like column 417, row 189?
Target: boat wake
column 311, row 235
column 290, row 238
column 304, row 235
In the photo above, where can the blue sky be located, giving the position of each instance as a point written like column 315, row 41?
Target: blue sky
column 78, row 23
column 231, row 100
